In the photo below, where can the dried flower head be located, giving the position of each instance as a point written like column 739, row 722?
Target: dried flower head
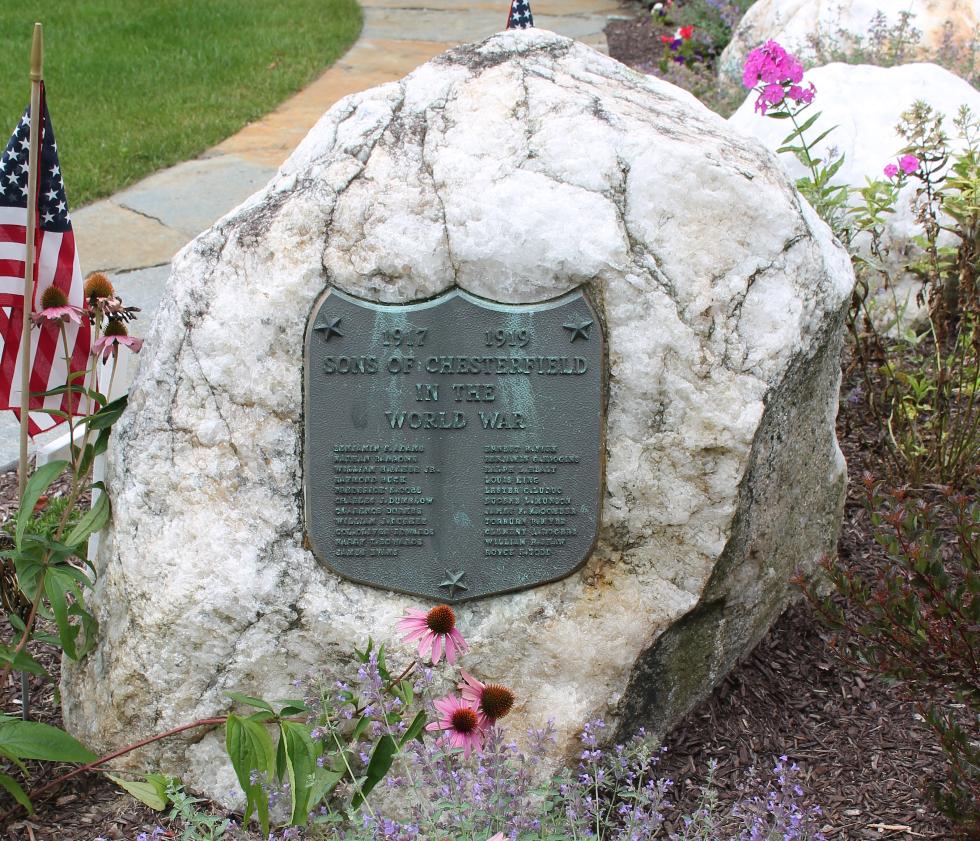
column 97, row 286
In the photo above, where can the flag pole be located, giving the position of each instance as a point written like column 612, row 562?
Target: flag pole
column 37, row 75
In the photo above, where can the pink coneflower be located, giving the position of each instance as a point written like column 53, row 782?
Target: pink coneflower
column 116, row 334
column 55, row 307
column 461, row 722
column 434, row 630
column 491, row 700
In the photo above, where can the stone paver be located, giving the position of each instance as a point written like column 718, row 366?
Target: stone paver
column 134, row 234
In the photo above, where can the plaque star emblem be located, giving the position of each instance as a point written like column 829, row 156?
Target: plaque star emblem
column 578, row 330
column 454, row 582
column 329, row 327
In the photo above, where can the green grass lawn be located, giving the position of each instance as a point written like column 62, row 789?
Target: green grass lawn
column 137, row 85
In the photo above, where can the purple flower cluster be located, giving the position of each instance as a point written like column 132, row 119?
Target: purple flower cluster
column 614, row 795
column 779, row 76
column 779, row 814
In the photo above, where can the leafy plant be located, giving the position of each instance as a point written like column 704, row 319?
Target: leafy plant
column 45, row 569
column 614, row 794
column 923, row 384
column 196, row 824
column 344, row 735
column 20, row 740
column 777, row 77
column 887, row 43
column 919, row 622
column 714, row 20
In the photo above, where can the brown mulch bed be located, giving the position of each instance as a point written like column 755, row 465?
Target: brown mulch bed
column 864, row 750
column 635, row 40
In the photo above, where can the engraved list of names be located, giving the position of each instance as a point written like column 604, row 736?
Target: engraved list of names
column 453, row 448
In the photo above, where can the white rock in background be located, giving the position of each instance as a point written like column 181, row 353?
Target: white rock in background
column 519, row 168
column 866, row 103
column 797, row 24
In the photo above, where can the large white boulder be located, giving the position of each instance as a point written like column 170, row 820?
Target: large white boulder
column 517, row 169
column 811, row 29
column 865, row 103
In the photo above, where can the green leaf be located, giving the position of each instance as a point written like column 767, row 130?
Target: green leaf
column 381, row 759
column 13, row 787
column 805, row 126
column 250, row 749
column 109, row 414
column 301, row 767
column 36, row 486
column 323, row 783
column 56, row 591
column 251, row 701
column 102, row 442
column 414, row 729
column 821, row 136
column 55, row 413
column 294, row 708
column 75, row 390
column 21, row 662
column 152, row 791
column 362, row 725
column 33, row 740
column 95, row 518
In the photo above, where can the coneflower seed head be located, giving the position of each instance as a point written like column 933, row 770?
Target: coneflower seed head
column 496, row 701
column 116, row 328
column 441, row 619
column 97, row 285
column 53, row 297
column 464, row 720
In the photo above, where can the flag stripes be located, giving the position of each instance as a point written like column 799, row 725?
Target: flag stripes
column 56, row 264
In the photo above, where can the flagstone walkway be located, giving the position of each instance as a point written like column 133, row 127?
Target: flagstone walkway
column 134, row 234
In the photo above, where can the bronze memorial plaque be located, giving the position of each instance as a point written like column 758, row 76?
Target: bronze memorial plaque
column 454, row 447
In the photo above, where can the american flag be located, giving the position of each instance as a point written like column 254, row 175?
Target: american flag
column 55, row 263
column 520, row 15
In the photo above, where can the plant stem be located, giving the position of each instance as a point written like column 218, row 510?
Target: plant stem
column 28, row 624
column 91, row 766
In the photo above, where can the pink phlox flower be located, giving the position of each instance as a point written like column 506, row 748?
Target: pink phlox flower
column 65, row 313
column 891, row 170
column 434, row 631
column 908, row 163
column 110, row 344
column 771, row 64
column 498, row 837
column 460, row 721
column 800, row 94
column 769, row 95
